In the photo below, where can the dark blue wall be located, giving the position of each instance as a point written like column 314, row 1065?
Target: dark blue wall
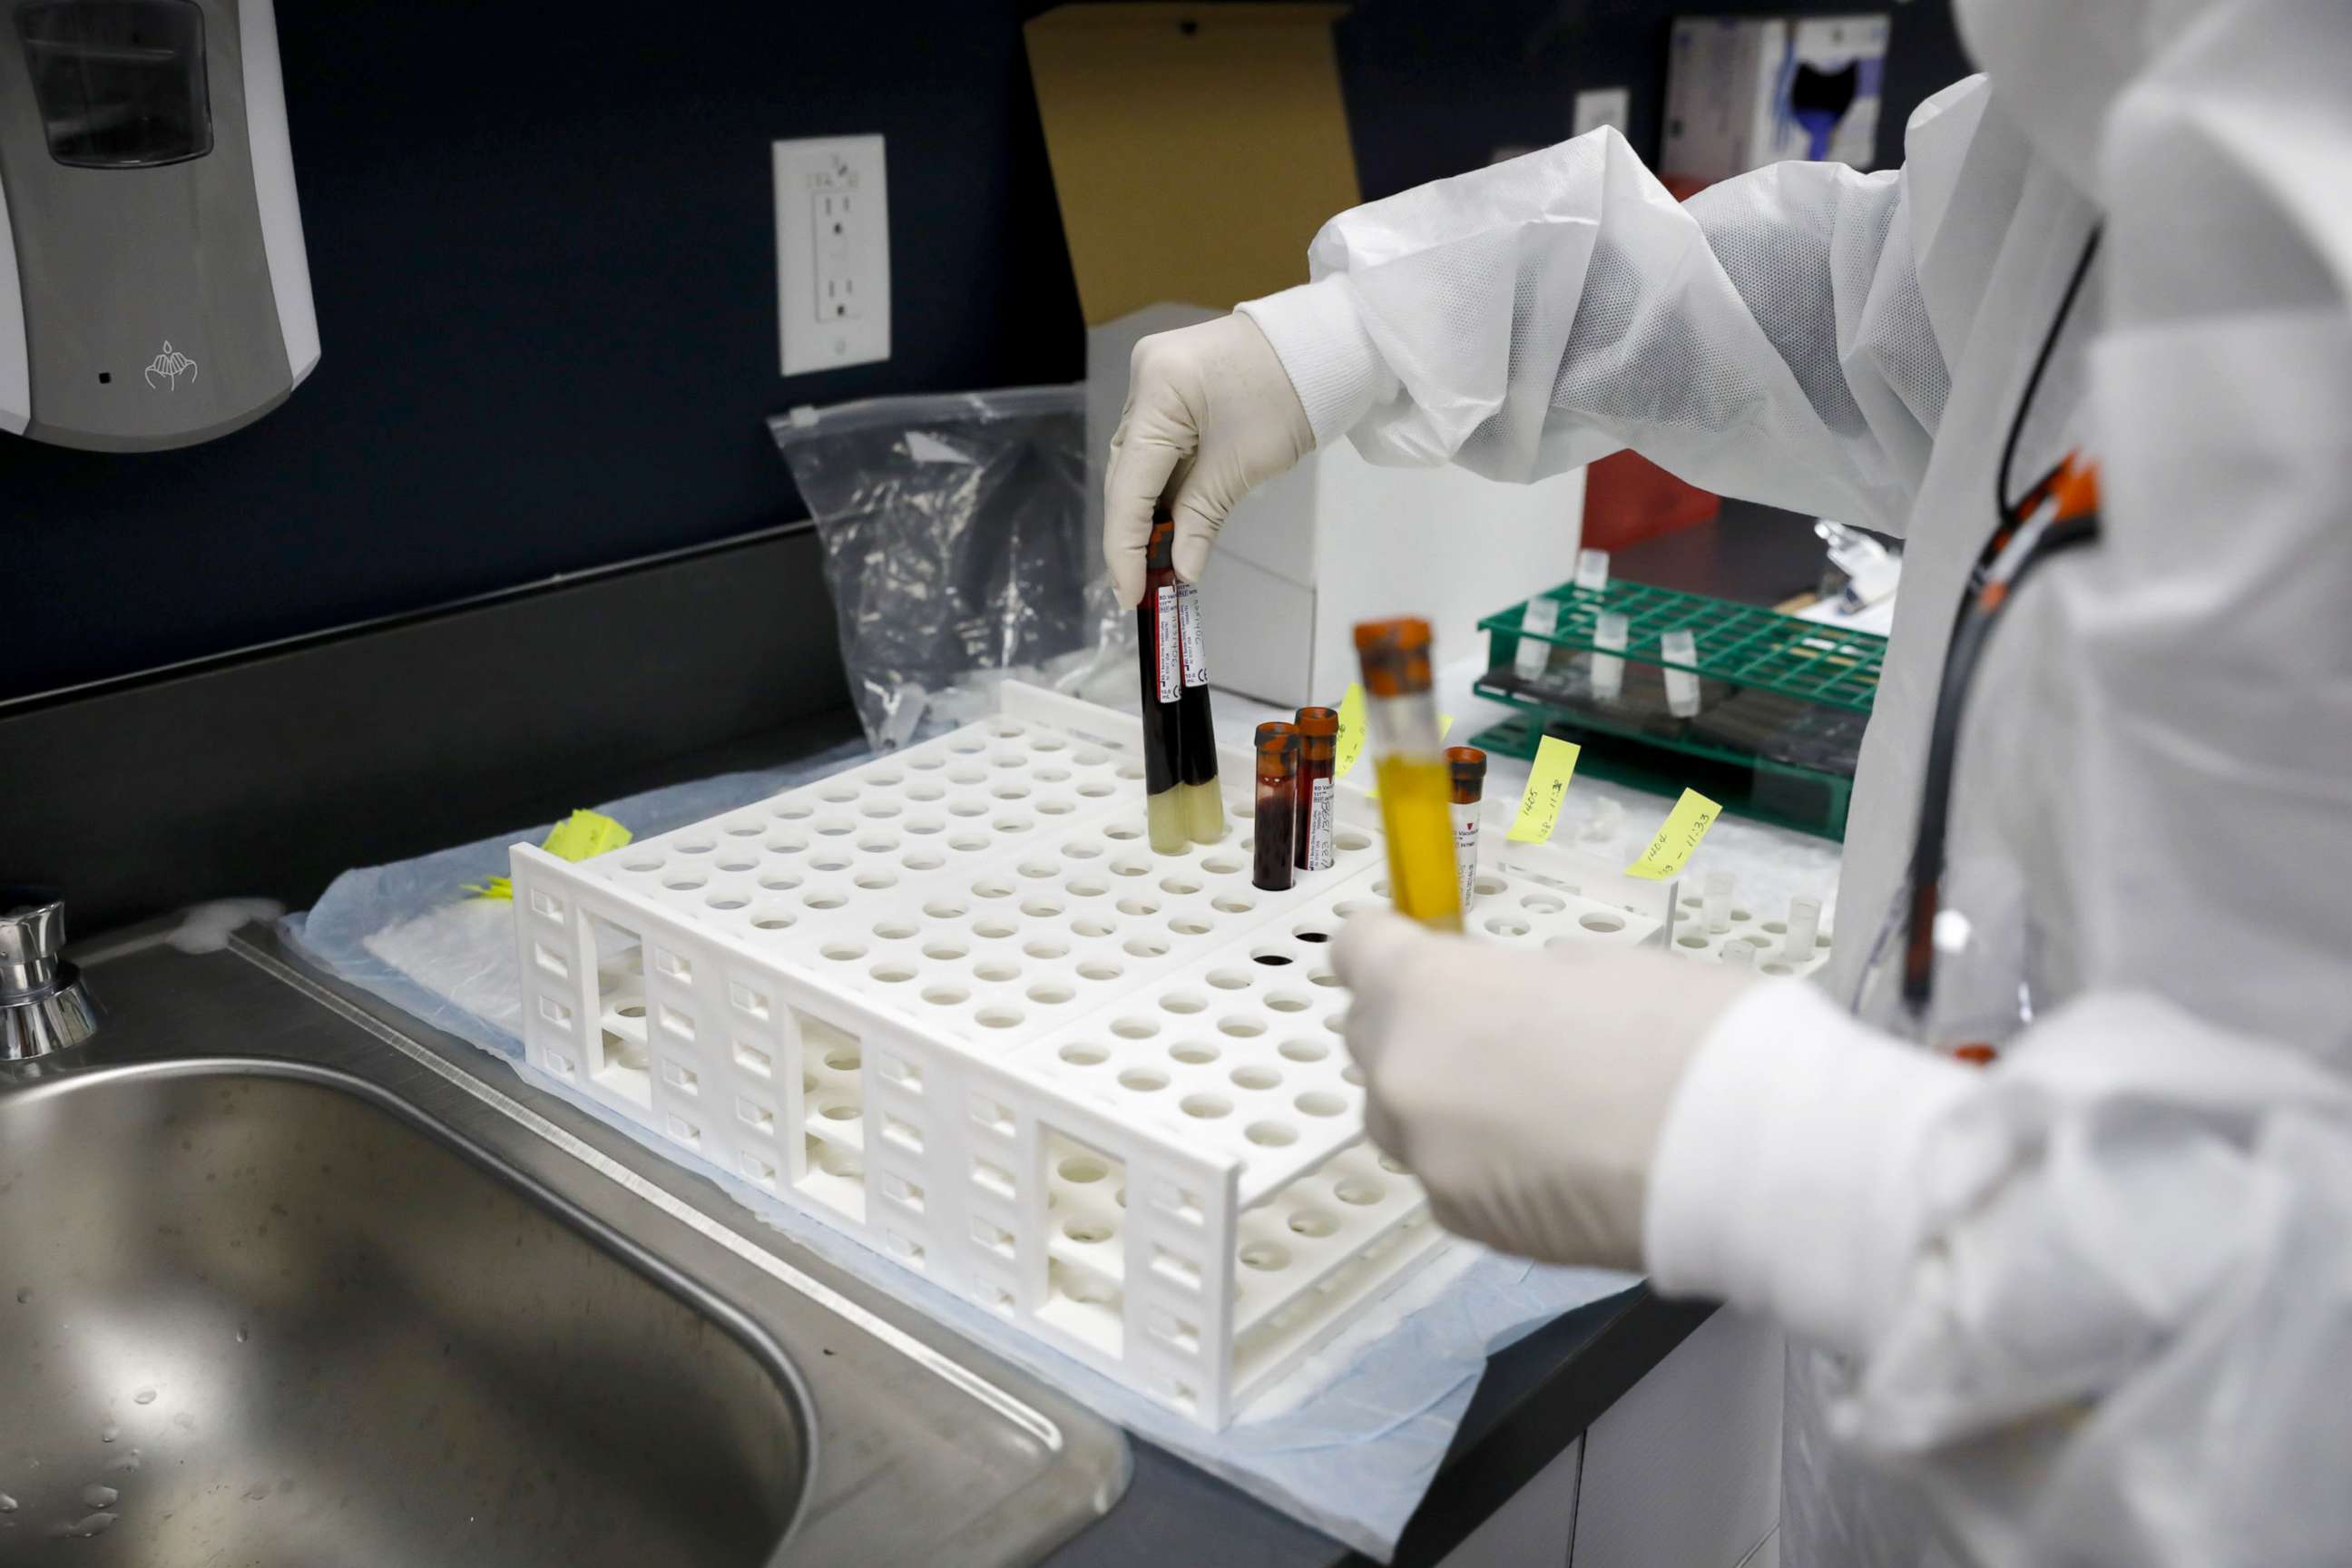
column 543, row 250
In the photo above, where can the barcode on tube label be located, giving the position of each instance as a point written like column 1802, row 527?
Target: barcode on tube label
column 1196, row 651
column 1164, row 622
column 1319, row 852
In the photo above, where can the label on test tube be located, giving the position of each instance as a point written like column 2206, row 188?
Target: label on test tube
column 1539, row 812
column 1188, row 617
column 1684, row 826
column 1465, row 849
column 1320, row 852
column 1170, row 660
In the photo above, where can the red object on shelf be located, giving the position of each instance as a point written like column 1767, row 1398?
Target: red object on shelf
column 1628, row 498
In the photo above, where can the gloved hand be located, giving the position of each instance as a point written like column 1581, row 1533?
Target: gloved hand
column 1211, row 415
column 1525, row 1088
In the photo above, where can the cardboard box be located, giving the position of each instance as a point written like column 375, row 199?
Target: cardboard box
column 1195, row 149
column 1746, row 91
column 1338, row 539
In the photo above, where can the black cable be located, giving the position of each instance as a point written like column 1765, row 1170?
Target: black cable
column 2002, row 507
column 1971, row 628
column 1943, row 746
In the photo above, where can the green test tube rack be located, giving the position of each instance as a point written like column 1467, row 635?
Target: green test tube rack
column 1772, row 684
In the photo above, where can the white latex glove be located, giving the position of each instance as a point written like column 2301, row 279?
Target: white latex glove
column 1211, row 415
column 1525, row 1088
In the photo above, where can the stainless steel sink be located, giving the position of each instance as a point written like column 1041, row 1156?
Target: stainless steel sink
column 283, row 1283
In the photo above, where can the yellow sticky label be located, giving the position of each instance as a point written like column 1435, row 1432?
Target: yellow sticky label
column 1684, row 826
column 584, row 834
column 576, row 837
column 1350, row 745
column 1547, row 788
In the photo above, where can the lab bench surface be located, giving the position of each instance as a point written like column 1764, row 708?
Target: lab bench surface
column 1536, row 1397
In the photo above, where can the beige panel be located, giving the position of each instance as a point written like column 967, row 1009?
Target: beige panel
column 1196, row 150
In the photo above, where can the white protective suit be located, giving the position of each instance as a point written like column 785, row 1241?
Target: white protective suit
column 2093, row 1304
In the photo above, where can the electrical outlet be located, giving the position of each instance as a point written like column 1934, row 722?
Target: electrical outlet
column 833, row 253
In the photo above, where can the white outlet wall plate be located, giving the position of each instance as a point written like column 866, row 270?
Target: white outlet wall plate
column 833, row 252
column 950, row 1002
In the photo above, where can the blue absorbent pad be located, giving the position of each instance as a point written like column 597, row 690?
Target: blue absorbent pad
column 1348, row 1443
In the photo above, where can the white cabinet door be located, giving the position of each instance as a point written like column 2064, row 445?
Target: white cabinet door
column 1685, row 1469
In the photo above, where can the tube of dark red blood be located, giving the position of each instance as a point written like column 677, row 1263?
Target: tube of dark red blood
column 1278, row 807
column 1159, row 655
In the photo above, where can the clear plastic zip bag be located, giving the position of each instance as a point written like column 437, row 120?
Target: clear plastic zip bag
column 956, row 549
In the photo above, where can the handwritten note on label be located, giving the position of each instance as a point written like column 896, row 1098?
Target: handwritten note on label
column 1684, row 826
column 1349, row 745
column 1547, row 787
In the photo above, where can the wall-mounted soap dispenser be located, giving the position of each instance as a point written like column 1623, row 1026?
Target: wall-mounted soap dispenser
column 153, row 287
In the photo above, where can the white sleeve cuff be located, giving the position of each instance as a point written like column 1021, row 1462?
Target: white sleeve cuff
column 1320, row 339
column 1779, row 1182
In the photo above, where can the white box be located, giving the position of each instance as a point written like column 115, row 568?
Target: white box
column 1731, row 101
column 1338, row 539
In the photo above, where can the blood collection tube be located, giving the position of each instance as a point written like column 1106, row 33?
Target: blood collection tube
column 1196, row 766
column 1416, row 792
column 1277, row 805
column 1161, row 661
column 1593, row 571
column 1682, row 685
column 1539, row 620
column 1465, row 769
column 1319, row 744
column 1610, row 631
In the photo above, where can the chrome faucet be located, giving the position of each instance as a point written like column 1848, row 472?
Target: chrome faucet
column 43, row 1007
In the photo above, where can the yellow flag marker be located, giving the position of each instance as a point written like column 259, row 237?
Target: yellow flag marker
column 1547, row 787
column 1349, row 743
column 578, row 837
column 584, row 834
column 1684, row 826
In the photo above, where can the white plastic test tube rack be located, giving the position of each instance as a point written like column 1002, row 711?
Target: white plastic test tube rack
column 950, row 1002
